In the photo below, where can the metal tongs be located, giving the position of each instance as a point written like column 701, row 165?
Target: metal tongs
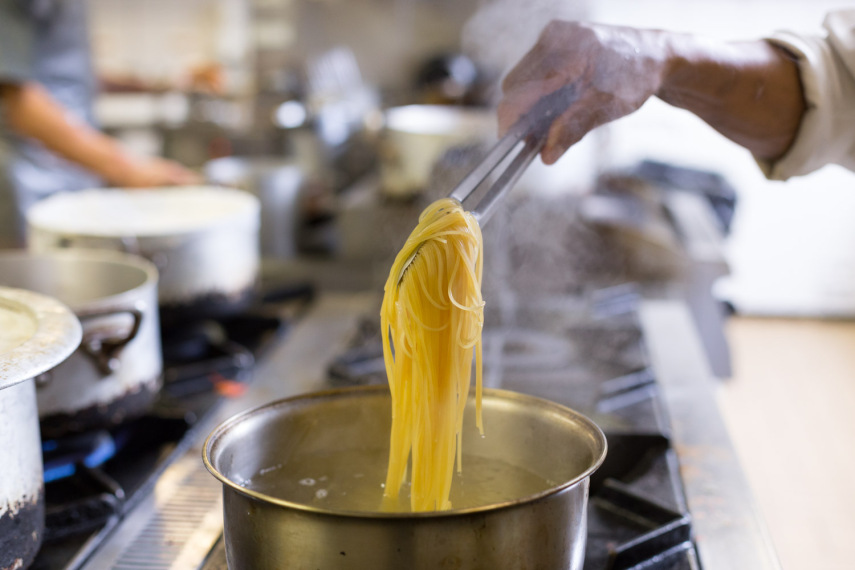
column 527, row 136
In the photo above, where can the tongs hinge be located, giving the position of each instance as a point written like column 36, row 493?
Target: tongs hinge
column 527, row 136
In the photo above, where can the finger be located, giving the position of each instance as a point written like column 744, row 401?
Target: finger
column 190, row 177
column 568, row 129
column 522, row 99
column 514, row 105
column 177, row 173
column 185, row 177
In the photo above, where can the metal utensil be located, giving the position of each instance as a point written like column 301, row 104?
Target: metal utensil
column 544, row 529
column 527, row 136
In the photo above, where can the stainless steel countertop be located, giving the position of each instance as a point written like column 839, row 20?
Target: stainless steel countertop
column 728, row 530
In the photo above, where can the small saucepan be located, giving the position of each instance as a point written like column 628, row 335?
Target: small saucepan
column 303, row 485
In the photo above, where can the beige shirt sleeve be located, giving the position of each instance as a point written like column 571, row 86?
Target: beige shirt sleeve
column 827, row 67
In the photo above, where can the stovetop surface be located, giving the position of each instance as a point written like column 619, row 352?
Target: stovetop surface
column 637, row 512
column 585, row 351
column 590, row 356
column 196, row 382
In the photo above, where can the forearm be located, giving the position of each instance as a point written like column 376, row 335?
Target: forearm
column 30, row 111
column 748, row 91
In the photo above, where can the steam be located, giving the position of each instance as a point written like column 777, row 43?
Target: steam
column 502, row 31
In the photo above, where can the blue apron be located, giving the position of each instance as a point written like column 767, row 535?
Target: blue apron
column 47, row 42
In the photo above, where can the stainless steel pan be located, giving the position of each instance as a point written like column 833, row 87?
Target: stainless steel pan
column 546, row 529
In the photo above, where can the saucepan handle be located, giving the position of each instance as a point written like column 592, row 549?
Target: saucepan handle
column 104, row 346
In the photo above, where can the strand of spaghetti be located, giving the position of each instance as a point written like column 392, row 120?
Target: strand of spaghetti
column 435, row 269
column 431, row 320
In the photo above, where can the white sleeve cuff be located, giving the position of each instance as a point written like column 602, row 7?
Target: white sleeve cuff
column 827, row 130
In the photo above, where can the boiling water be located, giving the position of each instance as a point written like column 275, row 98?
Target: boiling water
column 353, row 481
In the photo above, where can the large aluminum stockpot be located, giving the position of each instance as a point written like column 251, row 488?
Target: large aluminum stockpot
column 115, row 375
column 203, row 239
column 546, row 529
column 36, row 334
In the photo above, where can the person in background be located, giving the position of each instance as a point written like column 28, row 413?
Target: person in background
column 789, row 99
column 48, row 143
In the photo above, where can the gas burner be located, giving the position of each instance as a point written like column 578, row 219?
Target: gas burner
column 81, row 504
column 636, row 516
column 93, row 478
column 359, row 366
column 200, row 354
column 61, row 457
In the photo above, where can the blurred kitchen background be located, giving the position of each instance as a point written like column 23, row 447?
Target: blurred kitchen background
column 201, row 79
column 287, row 98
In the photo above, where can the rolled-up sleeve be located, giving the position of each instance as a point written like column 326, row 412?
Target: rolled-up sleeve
column 826, row 134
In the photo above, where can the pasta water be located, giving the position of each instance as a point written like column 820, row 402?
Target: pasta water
column 353, row 481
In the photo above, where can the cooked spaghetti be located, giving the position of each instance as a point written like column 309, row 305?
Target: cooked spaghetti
column 431, row 318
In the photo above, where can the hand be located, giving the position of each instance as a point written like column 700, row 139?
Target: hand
column 616, row 69
column 149, row 172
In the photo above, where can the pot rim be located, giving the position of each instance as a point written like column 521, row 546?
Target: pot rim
column 210, row 441
column 246, row 211
column 439, row 120
column 56, row 336
column 128, row 296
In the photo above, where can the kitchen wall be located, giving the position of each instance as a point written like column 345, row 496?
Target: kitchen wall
column 159, row 42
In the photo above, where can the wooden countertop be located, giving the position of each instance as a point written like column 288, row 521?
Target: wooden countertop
column 790, row 410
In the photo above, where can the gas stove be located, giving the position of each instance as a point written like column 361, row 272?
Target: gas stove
column 639, row 362
column 589, row 354
column 671, row 494
column 93, row 479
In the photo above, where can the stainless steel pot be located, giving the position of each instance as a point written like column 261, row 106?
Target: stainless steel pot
column 546, row 529
column 36, row 333
column 276, row 182
column 203, row 240
column 115, row 374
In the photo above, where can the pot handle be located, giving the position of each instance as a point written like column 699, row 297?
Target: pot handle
column 105, row 347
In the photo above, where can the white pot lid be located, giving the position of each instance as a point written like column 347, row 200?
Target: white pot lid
column 36, row 333
column 144, row 212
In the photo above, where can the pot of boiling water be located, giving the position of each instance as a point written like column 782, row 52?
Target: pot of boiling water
column 303, row 482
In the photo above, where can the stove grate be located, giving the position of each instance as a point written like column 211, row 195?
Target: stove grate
column 176, row 526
